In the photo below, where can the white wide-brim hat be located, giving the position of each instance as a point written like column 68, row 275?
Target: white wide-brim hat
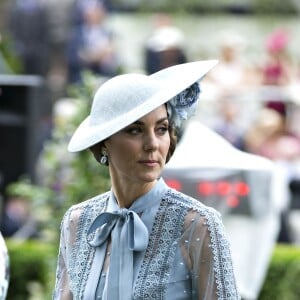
column 124, row 99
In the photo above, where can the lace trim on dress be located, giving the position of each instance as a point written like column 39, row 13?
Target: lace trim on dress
column 82, row 253
column 222, row 259
column 154, row 273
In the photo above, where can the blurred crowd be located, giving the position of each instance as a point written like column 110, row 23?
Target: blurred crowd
column 270, row 128
column 83, row 40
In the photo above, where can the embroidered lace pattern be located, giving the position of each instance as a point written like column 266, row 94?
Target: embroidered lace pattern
column 151, row 282
column 167, row 228
column 81, row 253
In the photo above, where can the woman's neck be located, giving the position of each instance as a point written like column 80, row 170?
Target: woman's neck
column 126, row 192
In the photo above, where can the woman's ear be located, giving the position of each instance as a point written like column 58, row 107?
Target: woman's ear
column 96, row 150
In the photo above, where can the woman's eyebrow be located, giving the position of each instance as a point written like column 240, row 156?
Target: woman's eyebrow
column 139, row 122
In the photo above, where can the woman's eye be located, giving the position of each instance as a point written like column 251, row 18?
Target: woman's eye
column 133, row 130
column 162, row 130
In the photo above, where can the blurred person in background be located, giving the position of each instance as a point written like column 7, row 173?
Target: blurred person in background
column 4, row 269
column 227, row 124
column 29, row 27
column 77, row 16
column 277, row 70
column 229, row 78
column 233, row 72
column 269, row 136
column 17, row 220
column 165, row 46
column 91, row 45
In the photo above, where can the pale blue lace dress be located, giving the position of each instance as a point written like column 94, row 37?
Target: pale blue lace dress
column 165, row 246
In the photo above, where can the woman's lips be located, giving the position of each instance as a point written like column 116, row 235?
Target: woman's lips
column 148, row 162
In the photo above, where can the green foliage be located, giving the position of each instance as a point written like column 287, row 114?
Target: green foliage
column 212, row 6
column 33, row 263
column 282, row 281
column 64, row 178
column 32, row 266
column 274, row 7
column 11, row 63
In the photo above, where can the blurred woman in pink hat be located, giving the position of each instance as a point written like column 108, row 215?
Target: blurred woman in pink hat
column 278, row 68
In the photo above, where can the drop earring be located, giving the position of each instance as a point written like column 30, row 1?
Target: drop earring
column 103, row 158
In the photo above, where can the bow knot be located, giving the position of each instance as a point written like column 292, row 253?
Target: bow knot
column 133, row 232
column 128, row 233
column 123, row 212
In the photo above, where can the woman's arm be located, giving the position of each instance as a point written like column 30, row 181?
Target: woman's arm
column 209, row 256
column 62, row 287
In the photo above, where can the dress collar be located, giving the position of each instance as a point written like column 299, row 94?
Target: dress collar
column 151, row 198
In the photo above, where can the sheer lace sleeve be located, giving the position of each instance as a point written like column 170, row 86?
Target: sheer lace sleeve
column 75, row 255
column 206, row 251
column 67, row 239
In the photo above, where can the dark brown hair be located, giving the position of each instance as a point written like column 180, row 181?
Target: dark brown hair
column 97, row 148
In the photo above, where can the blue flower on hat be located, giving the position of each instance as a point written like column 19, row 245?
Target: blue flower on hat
column 183, row 105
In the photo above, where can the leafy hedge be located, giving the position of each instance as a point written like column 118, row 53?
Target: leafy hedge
column 282, row 281
column 33, row 263
column 32, row 269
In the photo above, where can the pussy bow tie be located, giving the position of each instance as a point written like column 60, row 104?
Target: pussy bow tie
column 128, row 234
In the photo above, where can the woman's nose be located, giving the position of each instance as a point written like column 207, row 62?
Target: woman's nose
column 150, row 142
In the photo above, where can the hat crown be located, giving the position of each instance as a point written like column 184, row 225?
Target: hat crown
column 120, row 95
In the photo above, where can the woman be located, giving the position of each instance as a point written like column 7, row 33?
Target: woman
column 142, row 240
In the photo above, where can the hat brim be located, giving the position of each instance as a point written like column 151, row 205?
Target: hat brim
column 172, row 80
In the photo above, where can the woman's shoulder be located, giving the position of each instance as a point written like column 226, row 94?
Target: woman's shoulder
column 87, row 208
column 96, row 200
column 194, row 212
column 190, row 203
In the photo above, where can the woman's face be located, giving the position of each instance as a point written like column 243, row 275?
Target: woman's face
column 137, row 154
